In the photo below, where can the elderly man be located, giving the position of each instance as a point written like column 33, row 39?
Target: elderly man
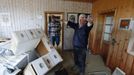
column 80, row 40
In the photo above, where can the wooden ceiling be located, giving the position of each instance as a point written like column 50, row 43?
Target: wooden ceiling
column 91, row 1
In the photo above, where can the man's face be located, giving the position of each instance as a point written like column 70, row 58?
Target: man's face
column 82, row 20
column 53, row 19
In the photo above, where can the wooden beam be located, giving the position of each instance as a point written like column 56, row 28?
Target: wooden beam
column 90, row 1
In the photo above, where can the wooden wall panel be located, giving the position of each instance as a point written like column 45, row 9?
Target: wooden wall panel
column 109, row 55
column 123, row 61
column 114, row 56
column 105, row 49
column 117, row 55
column 128, row 65
column 82, row 0
column 132, row 70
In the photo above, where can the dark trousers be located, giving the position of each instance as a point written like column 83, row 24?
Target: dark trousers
column 54, row 39
column 80, row 58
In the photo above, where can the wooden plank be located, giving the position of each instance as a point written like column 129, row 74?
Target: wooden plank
column 119, row 53
column 132, row 70
column 121, row 46
column 105, row 50
column 115, row 51
column 128, row 65
column 91, row 1
column 117, row 56
column 124, row 56
column 123, row 60
column 109, row 55
column 113, row 59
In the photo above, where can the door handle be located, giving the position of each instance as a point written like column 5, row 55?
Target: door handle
column 113, row 41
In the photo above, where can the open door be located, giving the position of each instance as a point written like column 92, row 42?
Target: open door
column 117, row 55
column 59, row 16
column 107, row 23
column 114, row 42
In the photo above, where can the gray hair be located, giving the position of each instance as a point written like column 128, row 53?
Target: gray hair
column 82, row 15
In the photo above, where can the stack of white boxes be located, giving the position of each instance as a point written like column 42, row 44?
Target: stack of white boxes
column 26, row 40
column 46, row 62
column 37, row 67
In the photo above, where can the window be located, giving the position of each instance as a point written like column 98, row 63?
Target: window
column 108, row 28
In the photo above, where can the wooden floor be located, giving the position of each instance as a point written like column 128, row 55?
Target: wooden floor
column 68, row 63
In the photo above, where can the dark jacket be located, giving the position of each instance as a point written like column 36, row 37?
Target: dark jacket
column 80, row 38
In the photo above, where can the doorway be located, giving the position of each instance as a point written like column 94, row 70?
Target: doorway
column 106, row 21
column 59, row 16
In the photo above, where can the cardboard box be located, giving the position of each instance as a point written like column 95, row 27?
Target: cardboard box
column 19, row 48
column 39, row 32
column 44, row 46
column 49, row 62
column 37, row 67
column 24, row 41
column 47, row 44
column 29, row 70
column 19, row 36
column 55, row 57
column 41, row 49
column 31, row 34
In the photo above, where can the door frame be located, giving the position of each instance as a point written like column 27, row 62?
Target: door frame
column 62, row 24
column 102, row 16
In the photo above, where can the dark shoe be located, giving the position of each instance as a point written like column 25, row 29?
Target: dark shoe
column 74, row 68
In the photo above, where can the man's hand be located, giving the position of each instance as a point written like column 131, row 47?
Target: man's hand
column 90, row 19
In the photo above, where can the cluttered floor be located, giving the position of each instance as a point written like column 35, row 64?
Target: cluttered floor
column 94, row 65
column 43, row 59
